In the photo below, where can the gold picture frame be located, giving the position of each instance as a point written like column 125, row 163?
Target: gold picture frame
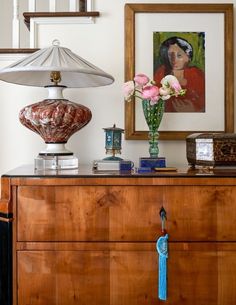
column 226, row 87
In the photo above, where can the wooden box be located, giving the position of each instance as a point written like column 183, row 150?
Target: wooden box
column 211, row 149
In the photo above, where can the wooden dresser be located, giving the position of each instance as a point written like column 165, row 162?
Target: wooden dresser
column 78, row 238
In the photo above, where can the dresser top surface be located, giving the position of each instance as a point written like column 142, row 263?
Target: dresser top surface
column 28, row 171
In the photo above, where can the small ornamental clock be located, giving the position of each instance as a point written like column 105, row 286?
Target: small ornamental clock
column 113, row 137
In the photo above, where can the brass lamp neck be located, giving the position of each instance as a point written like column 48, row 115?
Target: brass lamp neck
column 55, row 77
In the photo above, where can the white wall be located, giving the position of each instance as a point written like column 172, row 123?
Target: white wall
column 102, row 44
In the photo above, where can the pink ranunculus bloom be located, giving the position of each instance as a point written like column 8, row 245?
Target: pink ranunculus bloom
column 165, row 93
column 128, row 89
column 176, row 88
column 151, row 93
column 141, row 79
column 170, row 81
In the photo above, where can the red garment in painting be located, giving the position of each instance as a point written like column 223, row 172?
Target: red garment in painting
column 194, row 98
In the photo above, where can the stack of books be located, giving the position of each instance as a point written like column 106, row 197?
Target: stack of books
column 124, row 166
column 106, row 165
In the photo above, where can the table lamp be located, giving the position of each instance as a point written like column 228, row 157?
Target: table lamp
column 55, row 119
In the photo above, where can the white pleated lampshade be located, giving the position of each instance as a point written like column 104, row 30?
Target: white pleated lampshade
column 35, row 70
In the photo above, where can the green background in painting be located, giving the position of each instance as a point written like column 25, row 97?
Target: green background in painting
column 196, row 39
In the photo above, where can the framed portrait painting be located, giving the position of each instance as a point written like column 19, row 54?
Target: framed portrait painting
column 194, row 42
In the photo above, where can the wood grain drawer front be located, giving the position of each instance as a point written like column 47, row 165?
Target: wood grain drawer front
column 125, row 213
column 63, row 278
column 127, row 277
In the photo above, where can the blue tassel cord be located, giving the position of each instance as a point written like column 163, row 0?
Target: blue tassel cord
column 162, row 249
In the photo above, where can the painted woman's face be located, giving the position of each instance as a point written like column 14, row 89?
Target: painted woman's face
column 177, row 57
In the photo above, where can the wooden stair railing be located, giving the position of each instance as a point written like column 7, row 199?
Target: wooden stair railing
column 81, row 8
column 28, row 15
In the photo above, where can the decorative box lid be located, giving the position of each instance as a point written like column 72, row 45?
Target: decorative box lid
column 219, row 136
column 211, row 149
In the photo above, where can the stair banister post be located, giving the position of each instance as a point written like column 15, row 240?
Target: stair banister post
column 31, row 5
column 15, row 25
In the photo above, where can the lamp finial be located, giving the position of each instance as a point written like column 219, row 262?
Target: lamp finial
column 56, row 42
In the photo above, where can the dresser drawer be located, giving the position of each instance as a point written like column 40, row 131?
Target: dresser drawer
column 127, row 274
column 125, row 213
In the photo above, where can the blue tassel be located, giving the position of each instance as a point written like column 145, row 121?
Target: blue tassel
column 162, row 249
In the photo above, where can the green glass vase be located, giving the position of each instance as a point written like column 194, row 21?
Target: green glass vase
column 153, row 115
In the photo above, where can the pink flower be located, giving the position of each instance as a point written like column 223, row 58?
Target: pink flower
column 143, row 88
column 165, row 93
column 171, row 82
column 128, row 89
column 141, row 79
column 151, row 92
